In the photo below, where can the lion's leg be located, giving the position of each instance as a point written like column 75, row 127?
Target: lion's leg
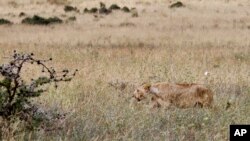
column 165, row 104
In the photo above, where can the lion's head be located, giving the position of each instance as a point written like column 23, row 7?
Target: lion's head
column 141, row 92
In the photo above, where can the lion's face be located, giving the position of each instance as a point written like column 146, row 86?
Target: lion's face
column 141, row 92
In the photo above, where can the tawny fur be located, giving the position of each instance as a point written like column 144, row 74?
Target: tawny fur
column 179, row 95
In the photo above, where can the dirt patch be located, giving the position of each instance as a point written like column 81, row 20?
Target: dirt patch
column 127, row 24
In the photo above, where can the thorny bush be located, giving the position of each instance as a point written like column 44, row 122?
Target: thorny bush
column 15, row 93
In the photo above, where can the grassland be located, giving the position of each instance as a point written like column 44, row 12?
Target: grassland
column 162, row 44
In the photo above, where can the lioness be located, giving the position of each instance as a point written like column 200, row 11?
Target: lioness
column 180, row 95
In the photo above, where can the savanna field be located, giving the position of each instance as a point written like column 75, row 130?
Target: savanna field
column 118, row 51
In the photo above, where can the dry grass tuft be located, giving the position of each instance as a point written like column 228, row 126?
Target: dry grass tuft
column 58, row 2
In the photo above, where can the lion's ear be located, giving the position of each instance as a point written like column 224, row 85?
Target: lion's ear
column 147, row 86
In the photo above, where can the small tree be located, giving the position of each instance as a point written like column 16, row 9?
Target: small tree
column 15, row 93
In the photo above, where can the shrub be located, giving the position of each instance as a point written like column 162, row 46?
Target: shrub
column 4, row 21
column 15, row 92
column 125, row 9
column 134, row 12
column 86, row 10
column 102, row 5
column 92, row 10
column 70, row 19
column 53, row 20
column 22, row 14
column 73, row 18
column 114, row 7
column 176, row 5
column 103, row 9
column 37, row 20
column 69, row 8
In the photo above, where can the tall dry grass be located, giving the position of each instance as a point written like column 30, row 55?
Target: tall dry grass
column 103, row 112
